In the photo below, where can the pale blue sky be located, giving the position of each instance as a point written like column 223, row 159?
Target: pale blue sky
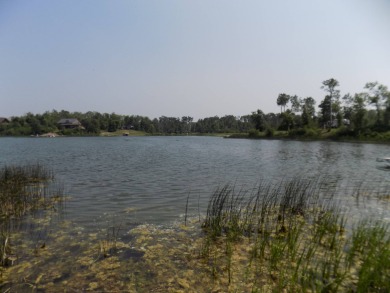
column 176, row 58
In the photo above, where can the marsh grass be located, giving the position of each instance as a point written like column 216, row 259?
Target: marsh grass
column 108, row 246
column 285, row 237
column 108, row 239
column 297, row 240
column 370, row 246
column 23, row 189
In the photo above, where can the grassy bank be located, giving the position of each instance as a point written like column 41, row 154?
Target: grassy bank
column 123, row 133
column 341, row 134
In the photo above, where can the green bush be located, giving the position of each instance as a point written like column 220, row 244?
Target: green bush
column 297, row 132
column 253, row 133
column 304, row 132
column 311, row 132
column 74, row 132
column 269, row 132
column 344, row 131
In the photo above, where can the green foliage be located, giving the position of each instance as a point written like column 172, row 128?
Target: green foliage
column 326, row 112
column 379, row 96
column 358, row 112
column 330, row 106
column 72, row 132
column 312, row 132
column 269, row 132
column 368, row 134
column 345, row 131
column 287, row 120
column 308, row 110
column 333, row 112
column 296, row 241
column 22, row 189
column 306, row 132
column 92, row 123
column 297, row 132
column 330, row 87
column 254, row 133
column 258, row 119
column 370, row 246
column 282, row 101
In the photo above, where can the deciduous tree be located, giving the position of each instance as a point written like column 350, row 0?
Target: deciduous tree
column 377, row 95
column 259, row 120
column 308, row 110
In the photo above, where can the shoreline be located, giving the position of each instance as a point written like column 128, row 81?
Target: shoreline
column 221, row 135
column 309, row 139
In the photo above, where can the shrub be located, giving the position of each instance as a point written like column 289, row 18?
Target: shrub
column 253, row 133
column 344, row 131
column 297, row 132
column 311, row 132
column 269, row 132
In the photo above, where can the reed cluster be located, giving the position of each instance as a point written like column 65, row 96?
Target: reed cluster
column 292, row 237
column 23, row 189
column 108, row 243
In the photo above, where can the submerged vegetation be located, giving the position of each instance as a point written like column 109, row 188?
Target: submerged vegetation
column 23, row 189
column 283, row 237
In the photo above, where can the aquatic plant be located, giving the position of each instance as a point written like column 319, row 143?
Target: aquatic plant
column 108, row 245
column 370, row 246
column 23, row 189
column 288, row 237
column 268, row 208
column 5, row 247
column 297, row 239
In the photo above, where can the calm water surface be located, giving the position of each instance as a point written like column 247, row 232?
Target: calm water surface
column 152, row 176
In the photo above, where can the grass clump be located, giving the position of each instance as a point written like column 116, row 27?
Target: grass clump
column 22, row 189
column 370, row 247
column 286, row 237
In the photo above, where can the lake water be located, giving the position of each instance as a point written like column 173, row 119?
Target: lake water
column 152, row 176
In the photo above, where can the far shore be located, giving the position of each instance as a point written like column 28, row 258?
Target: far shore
column 324, row 135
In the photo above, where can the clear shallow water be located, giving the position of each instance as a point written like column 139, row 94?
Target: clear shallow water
column 152, row 176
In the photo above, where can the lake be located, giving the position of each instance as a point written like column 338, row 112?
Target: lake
column 153, row 176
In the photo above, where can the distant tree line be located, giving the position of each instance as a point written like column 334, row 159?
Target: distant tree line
column 94, row 123
column 355, row 114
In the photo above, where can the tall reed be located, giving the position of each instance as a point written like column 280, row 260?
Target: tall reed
column 23, row 189
column 298, row 239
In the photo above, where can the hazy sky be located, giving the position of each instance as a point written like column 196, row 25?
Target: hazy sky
column 176, row 58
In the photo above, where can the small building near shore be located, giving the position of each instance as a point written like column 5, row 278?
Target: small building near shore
column 4, row 120
column 69, row 123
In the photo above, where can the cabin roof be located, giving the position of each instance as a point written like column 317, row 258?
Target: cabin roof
column 69, row 121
